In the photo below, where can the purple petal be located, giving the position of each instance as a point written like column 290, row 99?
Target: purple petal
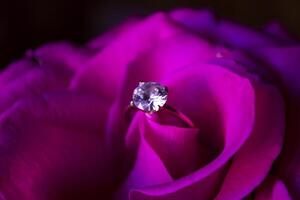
column 202, row 21
column 242, row 37
column 53, row 148
column 285, row 62
column 223, row 32
column 49, row 68
column 32, row 81
column 277, row 31
column 62, row 55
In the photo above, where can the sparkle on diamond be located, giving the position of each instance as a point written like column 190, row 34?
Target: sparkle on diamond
column 149, row 96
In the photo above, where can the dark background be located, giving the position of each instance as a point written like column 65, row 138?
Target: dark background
column 26, row 24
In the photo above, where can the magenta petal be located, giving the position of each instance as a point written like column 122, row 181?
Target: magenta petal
column 207, row 93
column 106, row 70
column 148, row 170
column 251, row 164
column 152, row 160
column 15, row 70
column 61, row 55
column 167, row 58
column 53, row 148
column 177, row 147
column 235, row 99
column 273, row 190
column 156, row 64
column 285, row 62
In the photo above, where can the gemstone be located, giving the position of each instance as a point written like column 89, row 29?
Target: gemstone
column 149, row 96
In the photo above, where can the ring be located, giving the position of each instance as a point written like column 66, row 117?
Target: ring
column 151, row 97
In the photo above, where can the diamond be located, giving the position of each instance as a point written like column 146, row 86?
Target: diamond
column 149, row 96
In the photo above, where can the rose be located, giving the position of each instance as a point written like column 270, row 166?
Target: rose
column 64, row 134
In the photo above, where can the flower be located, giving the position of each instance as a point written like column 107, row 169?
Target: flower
column 64, row 135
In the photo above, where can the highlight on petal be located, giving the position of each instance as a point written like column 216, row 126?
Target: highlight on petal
column 53, row 148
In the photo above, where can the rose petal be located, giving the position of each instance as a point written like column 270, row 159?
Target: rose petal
column 224, row 32
column 15, row 70
column 242, row 37
column 154, row 64
column 33, row 81
column 285, row 61
column 277, row 31
column 211, row 92
column 148, row 168
column 53, row 148
column 2, row 197
column 62, row 55
column 48, row 68
column 202, row 21
column 106, row 70
column 273, row 190
column 105, row 39
column 251, row 164
column 177, row 147
column 234, row 96
column 159, row 63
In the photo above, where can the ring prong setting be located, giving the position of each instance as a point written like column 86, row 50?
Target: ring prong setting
column 141, row 83
column 131, row 104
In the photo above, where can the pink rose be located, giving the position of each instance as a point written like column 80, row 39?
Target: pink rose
column 63, row 134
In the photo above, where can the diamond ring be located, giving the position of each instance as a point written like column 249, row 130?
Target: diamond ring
column 151, row 97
